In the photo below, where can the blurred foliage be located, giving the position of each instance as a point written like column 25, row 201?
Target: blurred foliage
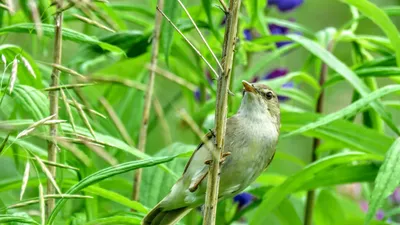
column 283, row 46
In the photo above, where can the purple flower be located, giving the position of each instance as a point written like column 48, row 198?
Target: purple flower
column 243, row 199
column 396, row 196
column 380, row 215
column 285, row 5
column 247, row 34
column 280, row 72
column 279, row 30
column 364, row 206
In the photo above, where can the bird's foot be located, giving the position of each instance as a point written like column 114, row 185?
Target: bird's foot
column 223, row 158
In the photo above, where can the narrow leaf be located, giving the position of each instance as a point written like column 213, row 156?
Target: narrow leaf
column 348, row 110
column 68, row 34
column 25, row 179
column 348, row 74
column 173, row 11
column 48, row 174
column 41, row 203
column 387, row 180
column 107, row 173
column 380, row 18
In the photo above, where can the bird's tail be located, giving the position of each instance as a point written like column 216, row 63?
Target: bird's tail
column 158, row 216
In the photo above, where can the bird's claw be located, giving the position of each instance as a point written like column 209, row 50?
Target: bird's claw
column 223, row 158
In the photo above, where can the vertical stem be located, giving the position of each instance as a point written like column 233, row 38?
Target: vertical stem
column 148, row 98
column 230, row 36
column 53, row 96
column 308, row 216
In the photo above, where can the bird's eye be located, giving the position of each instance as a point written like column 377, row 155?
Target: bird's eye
column 268, row 95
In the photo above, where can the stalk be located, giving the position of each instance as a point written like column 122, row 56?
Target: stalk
column 53, row 97
column 310, row 202
column 230, row 37
column 148, row 99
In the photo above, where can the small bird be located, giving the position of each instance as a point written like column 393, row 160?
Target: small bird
column 250, row 143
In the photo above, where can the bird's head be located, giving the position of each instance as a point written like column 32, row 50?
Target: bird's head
column 259, row 99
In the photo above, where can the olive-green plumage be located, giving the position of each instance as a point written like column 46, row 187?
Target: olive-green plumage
column 251, row 138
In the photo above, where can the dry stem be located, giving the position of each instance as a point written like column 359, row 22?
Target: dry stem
column 310, row 201
column 148, row 99
column 210, row 207
column 190, row 43
column 53, row 96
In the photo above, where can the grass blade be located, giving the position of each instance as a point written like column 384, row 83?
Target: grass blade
column 48, row 174
column 25, row 179
column 107, row 173
column 380, row 18
column 348, row 74
column 387, row 180
column 347, row 111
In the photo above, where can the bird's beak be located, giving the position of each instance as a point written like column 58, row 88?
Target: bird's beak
column 248, row 87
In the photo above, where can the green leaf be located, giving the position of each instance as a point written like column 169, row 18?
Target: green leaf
column 348, row 74
column 10, row 52
column 287, row 214
column 380, row 18
column 367, row 72
column 387, row 180
column 344, row 174
column 16, row 219
column 154, row 178
column 173, row 10
column 207, row 5
column 327, row 210
column 113, row 142
column 104, row 174
column 348, row 110
column 276, row 195
column 33, row 101
column 15, row 184
column 342, row 133
column 115, row 220
column 298, row 96
column 67, row 34
column 112, row 196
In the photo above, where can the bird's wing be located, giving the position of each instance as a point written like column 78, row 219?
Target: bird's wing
column 209, row 136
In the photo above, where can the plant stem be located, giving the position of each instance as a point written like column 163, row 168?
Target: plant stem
column 53, row 96
column 308, row 216
column 210, row 207
column 148, row 98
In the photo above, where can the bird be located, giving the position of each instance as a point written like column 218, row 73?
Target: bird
column 250, row 144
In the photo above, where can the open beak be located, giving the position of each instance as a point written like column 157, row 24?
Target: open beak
column 248, row 87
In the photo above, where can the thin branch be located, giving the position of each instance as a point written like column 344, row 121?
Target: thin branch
column 201, row 35
column 67, row 86
column 53, row 96
column 116, row 80
column 223, row 6
column 91, row 111
column 117, row 121
column 174, row 78
column 310, row 201
column 230, row 37
column 187, row 40
column 92, row 22
column 64, row 69
column 148, row 99
column 164, row 123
